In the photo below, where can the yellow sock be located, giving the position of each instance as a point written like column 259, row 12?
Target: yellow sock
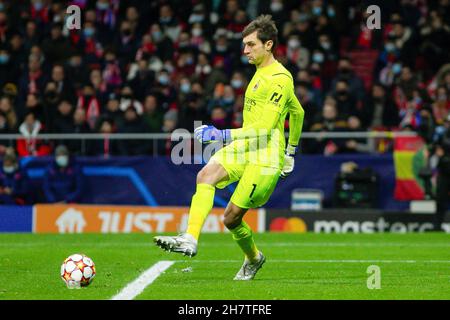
column 201, row 205
column 242, row 234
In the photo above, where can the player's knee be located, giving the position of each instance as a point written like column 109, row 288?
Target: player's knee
column 210, row 174
column 203, row 176
column 233, row 216
column 231, row 220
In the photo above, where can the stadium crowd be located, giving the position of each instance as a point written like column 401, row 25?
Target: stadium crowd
column 154, row 66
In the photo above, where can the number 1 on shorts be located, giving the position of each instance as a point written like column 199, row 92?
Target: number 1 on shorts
column 253, row 190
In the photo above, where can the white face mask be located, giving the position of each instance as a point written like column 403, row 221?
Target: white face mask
column 276, row 6
column 325, row 45
column 318, row 57
column 62, row 161
column 9, row 169
column 236, row 83
column 185, row 87
column 293, row 43
column 197, row 32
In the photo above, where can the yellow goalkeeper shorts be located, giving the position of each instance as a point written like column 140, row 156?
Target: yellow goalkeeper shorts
column 256, row 182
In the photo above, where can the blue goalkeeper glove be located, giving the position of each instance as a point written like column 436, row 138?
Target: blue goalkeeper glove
column 208, row 134
column 288, row 161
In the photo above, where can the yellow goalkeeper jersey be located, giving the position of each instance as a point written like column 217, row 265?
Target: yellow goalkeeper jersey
column 268, row 98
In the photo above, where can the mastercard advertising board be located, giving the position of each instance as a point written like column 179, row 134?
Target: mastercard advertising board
column 49, row 218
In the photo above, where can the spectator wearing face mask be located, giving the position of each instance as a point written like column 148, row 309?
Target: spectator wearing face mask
column 221, row 48
column 126, row 43
column 169, row 22
column 133, row 123
column 197, row 15
column 238, row 83
column 346, row 73
column 13, row 181
column 235, row 28
column 203, row 67
column 326, row 55
column 128, row 100
column 89, row 44
column 184, row 90
column 388, row 55
column 278, row 10
column 346, row 103
column 198, row 40
column 163, row 44
column 63, row 179
column 185, row 63
column 296, row 52
column 164, row 89
column 106, row 17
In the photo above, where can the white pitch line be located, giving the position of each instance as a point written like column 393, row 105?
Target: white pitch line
column 323, row 261
column 265, row 244
column 147, row 277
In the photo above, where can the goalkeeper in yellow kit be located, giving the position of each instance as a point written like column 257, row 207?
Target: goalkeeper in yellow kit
column 255, row 155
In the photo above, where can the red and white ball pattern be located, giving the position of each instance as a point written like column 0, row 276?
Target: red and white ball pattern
column 78, row 269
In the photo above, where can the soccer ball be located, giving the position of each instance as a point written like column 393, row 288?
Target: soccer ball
column 78, row 270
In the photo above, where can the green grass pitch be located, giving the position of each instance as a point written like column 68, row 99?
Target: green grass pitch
column 299, row 266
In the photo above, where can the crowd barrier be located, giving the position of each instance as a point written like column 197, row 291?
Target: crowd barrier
column 62, row 219
column 157, row 181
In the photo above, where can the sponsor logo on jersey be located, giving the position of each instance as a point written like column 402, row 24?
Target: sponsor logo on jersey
column 249, row 103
